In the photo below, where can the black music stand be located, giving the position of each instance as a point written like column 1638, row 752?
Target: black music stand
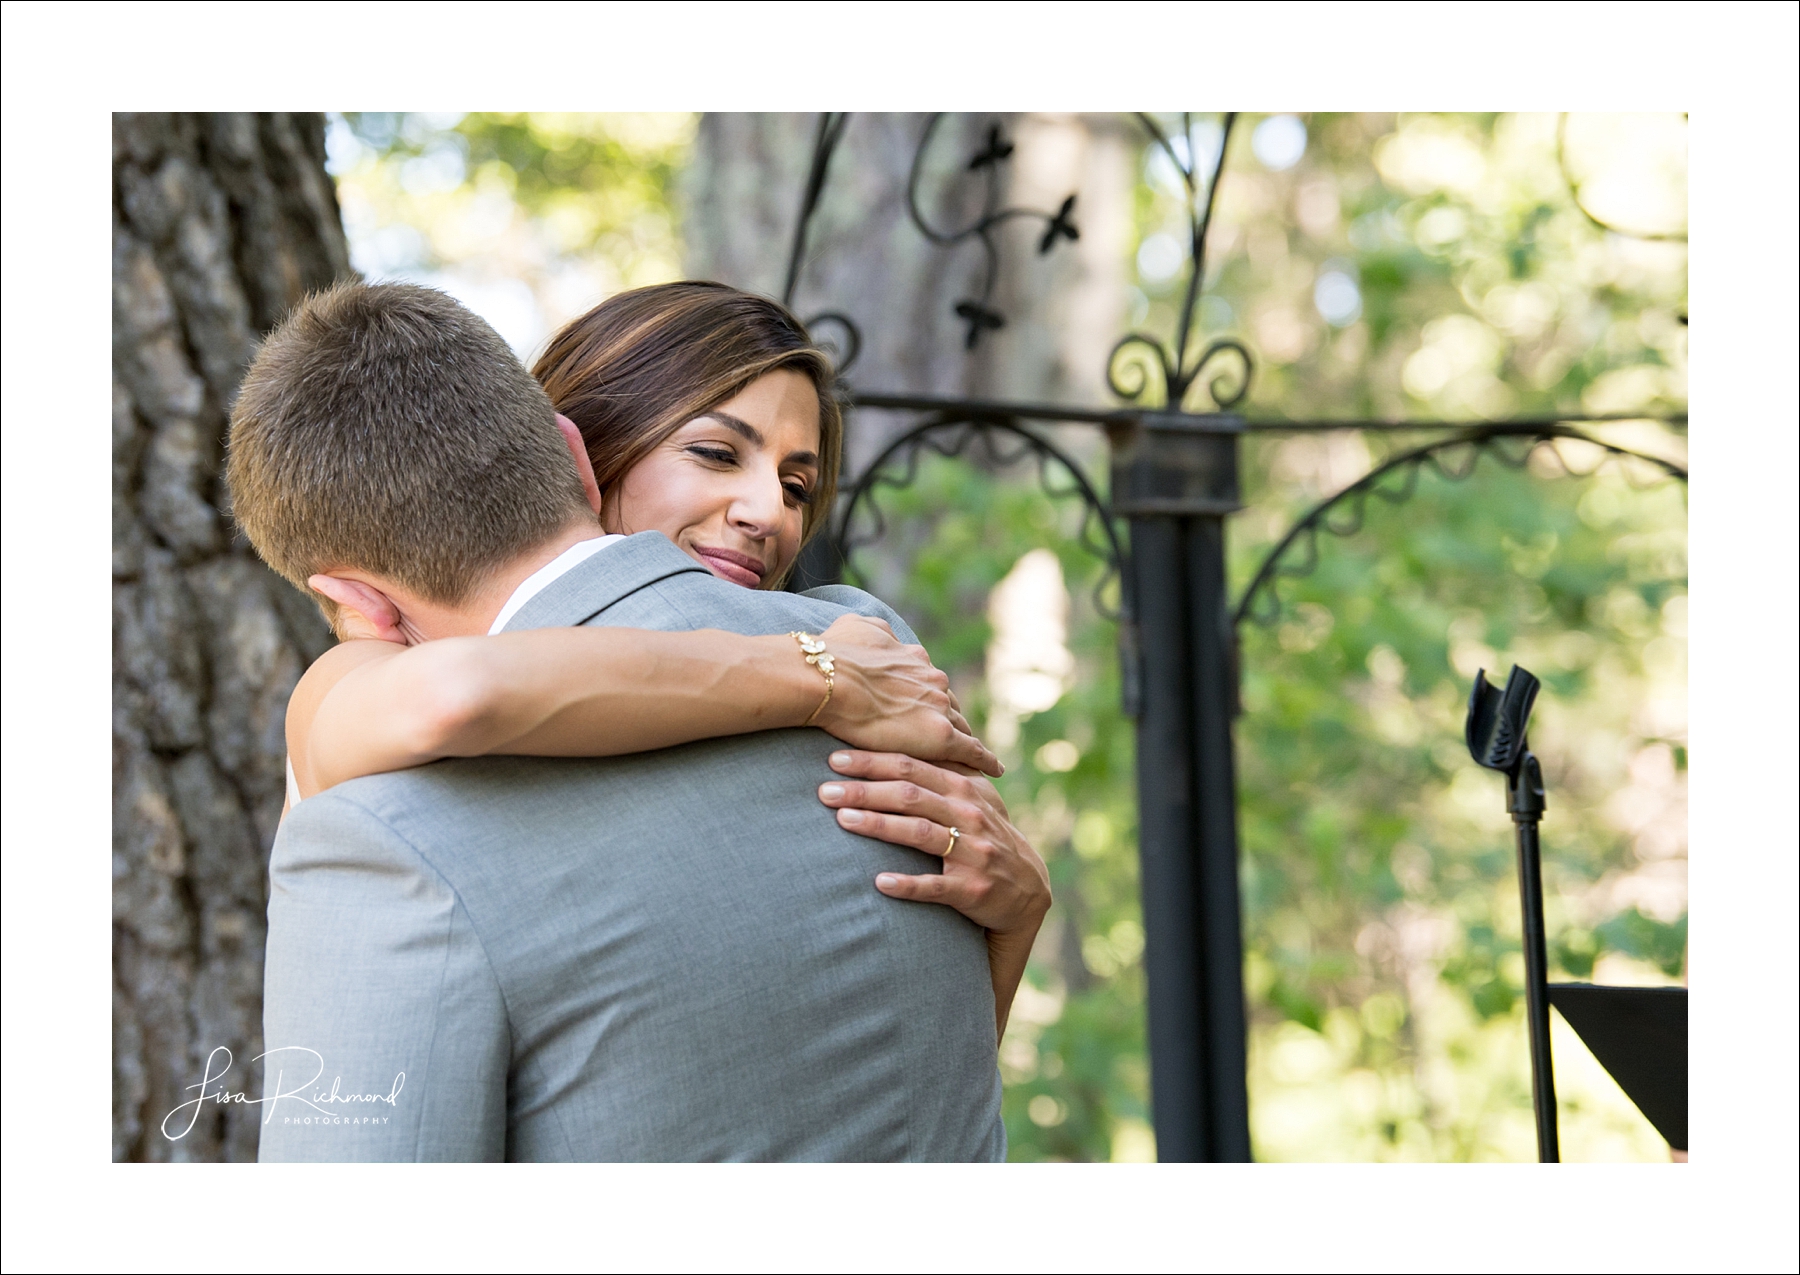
column 1639, row 1034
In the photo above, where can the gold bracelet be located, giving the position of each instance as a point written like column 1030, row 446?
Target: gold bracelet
column 819, row 658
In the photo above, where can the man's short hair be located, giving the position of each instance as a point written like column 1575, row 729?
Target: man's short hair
column 386, row 428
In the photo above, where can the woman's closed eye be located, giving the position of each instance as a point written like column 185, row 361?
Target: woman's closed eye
column 713, row 454
column 724, row 456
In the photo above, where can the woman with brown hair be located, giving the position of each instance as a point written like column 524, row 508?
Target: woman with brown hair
column 706, row 414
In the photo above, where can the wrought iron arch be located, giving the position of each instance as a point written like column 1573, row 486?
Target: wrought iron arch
column 1482, row 440
column 952, row 434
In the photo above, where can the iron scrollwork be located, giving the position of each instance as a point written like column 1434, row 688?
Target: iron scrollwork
column 978, row 313
column 999, row 435
column 1004, row 441
column 1353, row 500
column 1130, row 365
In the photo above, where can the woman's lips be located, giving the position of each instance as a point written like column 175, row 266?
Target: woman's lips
column 728, row 564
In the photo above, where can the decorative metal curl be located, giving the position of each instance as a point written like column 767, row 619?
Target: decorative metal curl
column 1231, row 398
column 1328, row 514
column 978, row 313
column 951, row 434
column 1141, row 363
column 842, row 357
column 1178, row 373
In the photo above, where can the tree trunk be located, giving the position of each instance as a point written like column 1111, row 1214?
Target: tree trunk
column 220, row 224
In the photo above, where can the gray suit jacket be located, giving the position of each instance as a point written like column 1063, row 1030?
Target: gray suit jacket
column 671, row 956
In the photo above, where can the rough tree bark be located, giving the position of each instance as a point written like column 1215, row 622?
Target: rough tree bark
column 220, row 223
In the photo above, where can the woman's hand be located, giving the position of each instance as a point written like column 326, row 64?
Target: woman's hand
column 991, row 873
column 888, row 698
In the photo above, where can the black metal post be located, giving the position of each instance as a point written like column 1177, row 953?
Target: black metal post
column 1175, row 478
column 1525, row 802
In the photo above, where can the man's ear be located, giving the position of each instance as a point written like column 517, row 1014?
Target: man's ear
column 585, row 467
column 364, row 610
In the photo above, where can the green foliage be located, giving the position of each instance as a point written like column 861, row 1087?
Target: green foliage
column 1662, row 944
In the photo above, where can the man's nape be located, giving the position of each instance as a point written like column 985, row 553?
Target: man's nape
column 376, row 606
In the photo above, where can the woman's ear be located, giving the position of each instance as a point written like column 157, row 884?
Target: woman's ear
column 363, row 610
column 583, row 466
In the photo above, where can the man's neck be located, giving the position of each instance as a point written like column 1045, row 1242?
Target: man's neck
column 475, row 614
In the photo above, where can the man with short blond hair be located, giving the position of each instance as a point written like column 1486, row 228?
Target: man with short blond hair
column 363, row 412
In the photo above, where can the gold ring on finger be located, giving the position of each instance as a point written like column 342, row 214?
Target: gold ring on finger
column 950, row 849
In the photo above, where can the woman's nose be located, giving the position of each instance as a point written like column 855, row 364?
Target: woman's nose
column 756, row 511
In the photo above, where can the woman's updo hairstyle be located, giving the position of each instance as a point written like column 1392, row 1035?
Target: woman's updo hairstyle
column 640, row 365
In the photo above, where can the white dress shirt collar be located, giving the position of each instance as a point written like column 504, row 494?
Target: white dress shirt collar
column 544, row 576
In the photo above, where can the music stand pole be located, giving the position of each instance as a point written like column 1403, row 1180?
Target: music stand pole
column 1525, row 801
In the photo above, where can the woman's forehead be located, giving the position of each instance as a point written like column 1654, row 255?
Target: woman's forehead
column 784, row 390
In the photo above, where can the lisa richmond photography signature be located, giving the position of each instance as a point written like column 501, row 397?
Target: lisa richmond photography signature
column 316, row 1103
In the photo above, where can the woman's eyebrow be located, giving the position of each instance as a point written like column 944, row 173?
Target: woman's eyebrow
column 754, row 435
column 738, row 426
